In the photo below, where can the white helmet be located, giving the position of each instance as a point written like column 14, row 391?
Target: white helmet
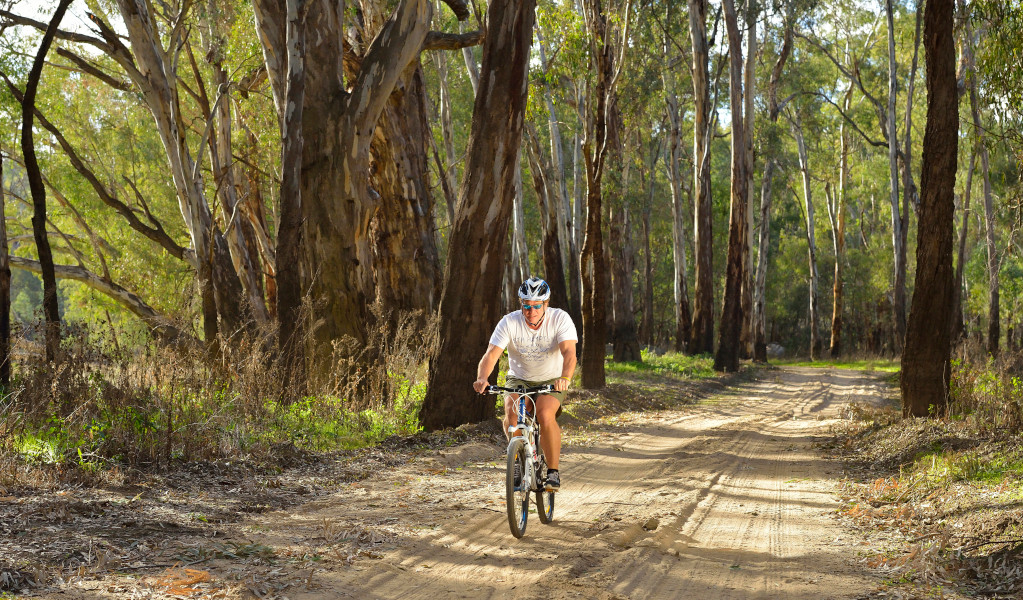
column 534, row 288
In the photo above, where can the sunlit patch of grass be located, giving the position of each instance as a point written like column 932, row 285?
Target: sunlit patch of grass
column 943, row 467
column 862, row 364
column 671, row 363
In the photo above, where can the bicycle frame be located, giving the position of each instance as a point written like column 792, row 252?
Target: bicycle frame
column 526, row 426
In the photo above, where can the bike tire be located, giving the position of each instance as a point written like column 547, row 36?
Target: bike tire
column 517, row 498
column 544, row 499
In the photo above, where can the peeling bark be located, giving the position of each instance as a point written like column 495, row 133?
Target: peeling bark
column 470, row 304
column 727, row 356
column 702, row 339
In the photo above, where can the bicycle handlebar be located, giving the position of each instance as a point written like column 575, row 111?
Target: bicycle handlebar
column 540, row 389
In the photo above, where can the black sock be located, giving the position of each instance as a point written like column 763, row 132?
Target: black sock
column 552, row 470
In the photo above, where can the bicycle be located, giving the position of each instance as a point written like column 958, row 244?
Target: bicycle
column 525, row 451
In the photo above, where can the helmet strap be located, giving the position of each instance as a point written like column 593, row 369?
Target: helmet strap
column 538, row 322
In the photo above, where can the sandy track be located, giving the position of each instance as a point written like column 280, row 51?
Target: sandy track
column 742, row 501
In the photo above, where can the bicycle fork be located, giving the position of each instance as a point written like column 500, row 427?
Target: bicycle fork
column 529, row 451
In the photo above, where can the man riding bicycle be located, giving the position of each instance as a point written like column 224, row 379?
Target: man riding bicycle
column 541, row 350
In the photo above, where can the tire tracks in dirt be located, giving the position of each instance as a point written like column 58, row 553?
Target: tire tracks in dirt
column 741, row 500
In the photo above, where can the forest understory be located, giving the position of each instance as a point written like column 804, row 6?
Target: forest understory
column 930, row 508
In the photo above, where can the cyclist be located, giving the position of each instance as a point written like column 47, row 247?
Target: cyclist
column 541, row 350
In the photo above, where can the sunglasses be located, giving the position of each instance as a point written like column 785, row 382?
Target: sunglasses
column 532, row 306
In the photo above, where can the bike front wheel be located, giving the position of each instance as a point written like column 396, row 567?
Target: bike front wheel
column 516, row 494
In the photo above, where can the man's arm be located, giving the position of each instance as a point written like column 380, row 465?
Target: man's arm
column 487, row 364
column 567, row 364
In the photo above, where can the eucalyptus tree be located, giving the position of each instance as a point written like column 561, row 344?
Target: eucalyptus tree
column 5, row 289
column 149, row 66
column 751, row 16
column 469, row 304
column 990, row 237
column 50, row 308
column 727, row 356
column 813, row 313
column 548, row 201
column 926, row 369
column 860, row 68
column 702, row 333
column 773, row 111
column 607, row 54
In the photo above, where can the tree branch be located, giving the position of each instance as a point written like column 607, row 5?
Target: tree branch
column 156, row 233
column 459, row 7
column 14, row 19
column 160, row 325
column 439, row 40
column 848, row 119
column 91, row 69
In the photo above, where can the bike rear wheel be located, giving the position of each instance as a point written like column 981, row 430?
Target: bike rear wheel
column 516, row 496
column 544, row 499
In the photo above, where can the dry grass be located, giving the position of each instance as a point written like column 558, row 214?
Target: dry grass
column 943, row 498
column 101, row 412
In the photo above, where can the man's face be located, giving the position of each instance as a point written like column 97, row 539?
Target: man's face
column 532, row 308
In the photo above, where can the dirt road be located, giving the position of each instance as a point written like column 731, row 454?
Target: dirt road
column 723, row 499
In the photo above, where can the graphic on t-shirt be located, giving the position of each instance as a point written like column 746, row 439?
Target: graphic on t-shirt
column 534, row 348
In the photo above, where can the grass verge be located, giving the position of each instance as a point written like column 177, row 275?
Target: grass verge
column 941, row 500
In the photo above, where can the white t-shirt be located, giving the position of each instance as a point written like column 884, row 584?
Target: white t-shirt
column 534, row 355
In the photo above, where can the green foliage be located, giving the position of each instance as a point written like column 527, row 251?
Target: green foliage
column 859, row 364
column 672, row 363
column 988, row 396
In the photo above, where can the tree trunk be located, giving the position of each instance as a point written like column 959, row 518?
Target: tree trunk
column 520, row 249
column 51, row 311
column 993, row 324
column 898, row 221
column 760, row 284
column 804, row 168
column 291, row 329
column 727, row 356
column 679, row 216
column 746, row 336
column 702, row 337
column 958, row 322
column 838, row 234
column 469, row 305
column 245, row 260
column 338, row 205
column 553, row 270
column 5, row 291
column 405, row 259
column 626, row 343
column 759, row 294
column 926, row 365
column 646, row 325
column 599, row 139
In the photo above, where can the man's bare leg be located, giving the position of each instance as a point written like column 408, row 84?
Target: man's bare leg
column 550, row 432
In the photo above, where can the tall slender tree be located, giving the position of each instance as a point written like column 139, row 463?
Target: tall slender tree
column 727, row 356
column 5, row 289
column 702, row 333
column 51, row 311
column 926, row 368
column 600, row 136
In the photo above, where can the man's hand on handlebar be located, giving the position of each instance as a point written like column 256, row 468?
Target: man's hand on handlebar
column 480, row 385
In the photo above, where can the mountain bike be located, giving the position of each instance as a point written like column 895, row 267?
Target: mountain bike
column 524, row 450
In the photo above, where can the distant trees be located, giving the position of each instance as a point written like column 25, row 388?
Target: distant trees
column 217, row 184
